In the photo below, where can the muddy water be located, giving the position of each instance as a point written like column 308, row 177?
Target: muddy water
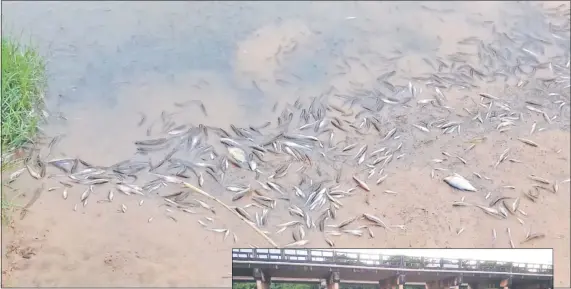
column 111, row 63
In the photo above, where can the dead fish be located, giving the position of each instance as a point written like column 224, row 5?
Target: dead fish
column 168, row 179
column 422, row 128
column 244, row 214
column 375, row 220
column 528, row 142
column 515, row 205
column 390, row 134
column 86, row 194
column 289, row 224
column 362, row 184
column 357, row 233
column 458, row 182
column 539, row 179
column 491, row 211
column 240, row 194
column 381, row 179
column 33, row 173
column 297, row 243
column 488, row 96
column 237, row 154
column 533, row 237
column 533, row 126
column 502, row 157
column 329, row 242
column 510, row 238
column 16, row 174
column 275, row 187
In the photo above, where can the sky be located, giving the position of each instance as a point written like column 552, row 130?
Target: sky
column 536, row 256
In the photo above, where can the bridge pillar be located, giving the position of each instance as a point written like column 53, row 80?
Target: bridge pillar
column 333, row 280
column 263, row 280
column 445, row 283
column 506, row 283
column 395, row 282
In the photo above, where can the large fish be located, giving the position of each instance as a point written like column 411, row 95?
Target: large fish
column 458, row 182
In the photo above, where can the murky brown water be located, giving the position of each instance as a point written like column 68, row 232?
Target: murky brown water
column 110, row 62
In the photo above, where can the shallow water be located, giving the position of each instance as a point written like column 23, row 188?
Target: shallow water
column 110, row 62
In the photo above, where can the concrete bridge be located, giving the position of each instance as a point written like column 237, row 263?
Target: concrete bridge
column 329, row 268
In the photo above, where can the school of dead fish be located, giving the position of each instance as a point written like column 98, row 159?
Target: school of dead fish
column 339, row 145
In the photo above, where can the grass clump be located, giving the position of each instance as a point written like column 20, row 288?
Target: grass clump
column 23, row 83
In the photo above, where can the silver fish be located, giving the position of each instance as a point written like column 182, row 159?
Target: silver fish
column 458, row 182
column 86, row 194
column 297, row 243
column 362, row 184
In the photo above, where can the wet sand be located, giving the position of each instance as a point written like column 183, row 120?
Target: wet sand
column 101, row 86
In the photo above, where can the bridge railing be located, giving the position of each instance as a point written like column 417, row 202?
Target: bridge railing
column 386, row 261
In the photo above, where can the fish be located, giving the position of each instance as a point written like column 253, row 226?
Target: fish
column 86, row 194
column 422, row 128
column 539, row 179
column 297, row 243
column 528, row 142
column 389, row 134
column 244, row 214
column 458, row 182
column 488, row 96
column 237, row 154
column 533, row 236
column 381, row 179
column 510, row 238
column 33, row 173
column 375, row 220
column 168, row 179
column 491, row 211
column 361, row 184
column 329, row 242
column 16, row 174
column 240, row 194
column 357, row 233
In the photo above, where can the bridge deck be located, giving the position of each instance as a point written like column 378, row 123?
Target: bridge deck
column 319, row 256
column 315, row 264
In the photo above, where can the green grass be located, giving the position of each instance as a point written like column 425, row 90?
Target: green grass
column 23, row 84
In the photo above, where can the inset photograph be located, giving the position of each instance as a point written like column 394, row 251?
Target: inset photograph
column 257, row 268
